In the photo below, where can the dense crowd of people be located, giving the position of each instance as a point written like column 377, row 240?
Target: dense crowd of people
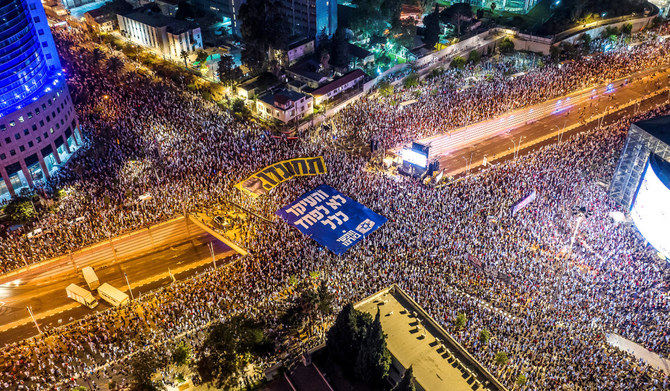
column 547, row 302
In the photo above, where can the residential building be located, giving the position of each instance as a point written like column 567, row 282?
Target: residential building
column 167, row 36
column 331, row 90
column 101, row 20
column 38, row 125
column 310, row 18
column 226, row 10
column 284, row 106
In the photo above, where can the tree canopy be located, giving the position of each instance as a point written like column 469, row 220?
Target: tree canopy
column 432, row 33
column 407, row 381
column 261, row 29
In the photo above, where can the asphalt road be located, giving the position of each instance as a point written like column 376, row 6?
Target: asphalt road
column 45, row 293
column 581, row 115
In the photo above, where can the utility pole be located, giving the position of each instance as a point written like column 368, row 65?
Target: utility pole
column 30, row 311
column 128, row 283
column 211, row 251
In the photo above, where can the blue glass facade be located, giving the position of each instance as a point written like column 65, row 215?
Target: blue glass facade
column 28, row 59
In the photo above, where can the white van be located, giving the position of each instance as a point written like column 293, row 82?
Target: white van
column 112, row 295
column 77, row 293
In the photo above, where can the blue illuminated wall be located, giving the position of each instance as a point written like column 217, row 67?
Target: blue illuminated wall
column 29, row 64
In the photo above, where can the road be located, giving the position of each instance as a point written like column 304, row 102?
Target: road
column 45, row 292
column 578, row 114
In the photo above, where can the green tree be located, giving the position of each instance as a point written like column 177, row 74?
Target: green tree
column 20, row 210
column 627, row 29
column 201, row 57
column 184, row 56
column 411, row 80
column 345, row 337
column 484, row 336
column 142, row 368
column 506, row 46
column 456, row 14
column 228, row 348
column 461, row 321
column 373, row 360
column 385, row 88
column 181, row 354
column 521, row 380
column 458, row 62
column 501, row 358
column 555, row 53
column 474, row 57
column 586, row 41
column 432, row 32
column 227, row 71
column 407, row 381
column 493, row 6
column 240, row 108
column 262, row 27
column 97, row 55
column 339, row 53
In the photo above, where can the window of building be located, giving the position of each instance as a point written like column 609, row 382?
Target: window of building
column 57, row 126
column 44, row 44
column 41, row 123
column 30, row 114
column 36, row 19
column 44, row 107
column 51, row 130
column 3, row 156
column 48, row 118
column 21, row 119
column 34, row 127
column 26, row 131
column 17, row 136
column 40, row 32
column 32, row 7
column 39, row 139
column 22, row 148
column 8, row 140
column 3, row 127
column 12, row 152
column 46, row 135
column 30, row 144
column 12, row 123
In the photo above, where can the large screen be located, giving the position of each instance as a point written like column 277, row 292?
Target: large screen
column 414, row 157
column 651, row 209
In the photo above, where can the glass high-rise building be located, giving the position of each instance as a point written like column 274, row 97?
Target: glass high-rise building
column 39, row 130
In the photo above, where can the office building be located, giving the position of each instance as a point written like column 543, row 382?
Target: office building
column 38, row 125
column 226, row 10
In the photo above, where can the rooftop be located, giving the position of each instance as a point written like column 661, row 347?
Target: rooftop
column 282, row 96
column 337, row 83
column 147, row 15
column 658, row 127
column 436, row 367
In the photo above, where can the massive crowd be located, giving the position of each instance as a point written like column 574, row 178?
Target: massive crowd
column 454, row 249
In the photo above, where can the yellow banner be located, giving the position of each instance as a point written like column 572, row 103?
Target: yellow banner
column 268, row 178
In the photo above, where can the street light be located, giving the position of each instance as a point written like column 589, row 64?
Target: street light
column 128, row 283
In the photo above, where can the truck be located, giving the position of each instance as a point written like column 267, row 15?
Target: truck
column 112, row 295
column 77, row 293
column 91, row 278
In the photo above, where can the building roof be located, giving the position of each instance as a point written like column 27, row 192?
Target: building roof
column 435, row 367
column 298, row 41
column 337, row 83
column 658, row 127
column 146, row 15
column 358, row 51
column 282, row 97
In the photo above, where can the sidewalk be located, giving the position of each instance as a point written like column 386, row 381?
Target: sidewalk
column 640, row 352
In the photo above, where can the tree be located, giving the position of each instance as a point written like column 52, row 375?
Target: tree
column 493, row 6
column 411, row 80
column 344, row 338
column 181, row 354
column 456, row 14
column 501, row 358
column 407, row 381
column 506, row 46
column 432, row 32
column 201, row 57
column 461, row 321
column 474, row 57
column 521, row 380
column 555, row 53
column 142, row 368
column 114, row 64
column 184, row 56
column 373, row 360
column 458, row 62
column 627, row 29
column 339, row 53
column 261, row 28
column 403, row 33
column 385, row 88
column 228, row 348
column 484, row 336
column 586, row 42
column 227, row 71
column 20, row 210
column 97, row 55
column 240, row 108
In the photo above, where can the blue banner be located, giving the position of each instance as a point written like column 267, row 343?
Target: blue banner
column 331, row 218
